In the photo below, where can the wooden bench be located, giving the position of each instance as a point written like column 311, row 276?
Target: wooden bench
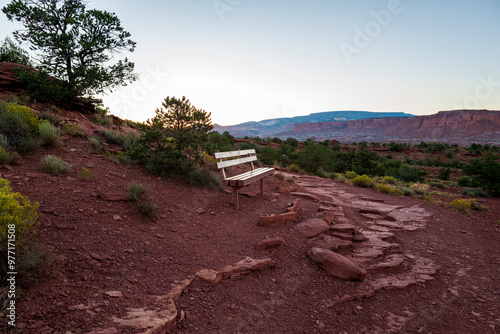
column 232, row 158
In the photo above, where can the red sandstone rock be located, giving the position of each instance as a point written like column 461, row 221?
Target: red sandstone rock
column 336, row 265
column 312, row 227
column 277, row 220
column 271, row 244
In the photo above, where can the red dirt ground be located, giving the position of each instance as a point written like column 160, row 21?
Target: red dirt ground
column 102, row 246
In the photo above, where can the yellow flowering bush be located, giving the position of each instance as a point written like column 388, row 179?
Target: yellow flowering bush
column 29, row 117
column 461, row 205
column 16, row 212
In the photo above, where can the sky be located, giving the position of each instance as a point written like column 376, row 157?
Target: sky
column 244, row 60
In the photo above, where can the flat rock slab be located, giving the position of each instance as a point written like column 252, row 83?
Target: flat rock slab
column 278, row 220
column 326, row 241
column 240, row 268
column 307, row 195
column 336, row 265
column 312, row 227
column 158, row 316
column 346, row 228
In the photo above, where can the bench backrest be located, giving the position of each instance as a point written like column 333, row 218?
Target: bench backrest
column 231, row 158
column 242, row 157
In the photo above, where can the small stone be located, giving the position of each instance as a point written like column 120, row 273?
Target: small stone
column 96, row 256
column 312, row 227
column 114, row 294
column 160, row 236
column 116, row 217
column 200, row 211
column 271, row 244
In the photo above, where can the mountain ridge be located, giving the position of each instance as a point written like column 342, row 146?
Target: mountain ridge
column 451, row 126
column 269, row 127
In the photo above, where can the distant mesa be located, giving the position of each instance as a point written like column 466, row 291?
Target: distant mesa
column 455, row 126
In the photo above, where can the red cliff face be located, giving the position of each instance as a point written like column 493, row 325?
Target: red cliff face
column 457, row 126
column 8, row 82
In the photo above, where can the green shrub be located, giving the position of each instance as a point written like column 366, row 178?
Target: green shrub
column 105, row 121
column 314, row 157
column 322, row 173
column 246, row 146
column 407, row 173
column 84, row 174
column 33, row 261
column 292, row 142
column 351, row 175
column 461, row 205
column 128, row 141
column 19, row 126
column 444, row 173
column 396, row 147
column 54, row 165
column 485, row 173
column 5, row 156
column 476, row 206
column 362, row 181
column 269, row 155
column 428, row 198
column 136, row 192
column 112, row 137
column 439, row 185
column 389, row 180
column 388, row 189
column 4, row 142
column 95, row 144
column 294, row 168
column 74, row 130
column 204, row 178
column 147, row 209
column 420, row 188
column 50, row 117
column 18, row 214
column 27, row 115
column 407, row 191
column 474, row 192
column 280, row 176
column 464, row 181
column 49, row 134
column 42, row 87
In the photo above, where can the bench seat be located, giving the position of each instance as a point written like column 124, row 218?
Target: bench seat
column 249, row 177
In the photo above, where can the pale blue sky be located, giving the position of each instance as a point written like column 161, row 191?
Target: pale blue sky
column 246, row 60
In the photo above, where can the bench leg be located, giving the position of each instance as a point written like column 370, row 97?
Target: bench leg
column 262, row 186
column 235, row 198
